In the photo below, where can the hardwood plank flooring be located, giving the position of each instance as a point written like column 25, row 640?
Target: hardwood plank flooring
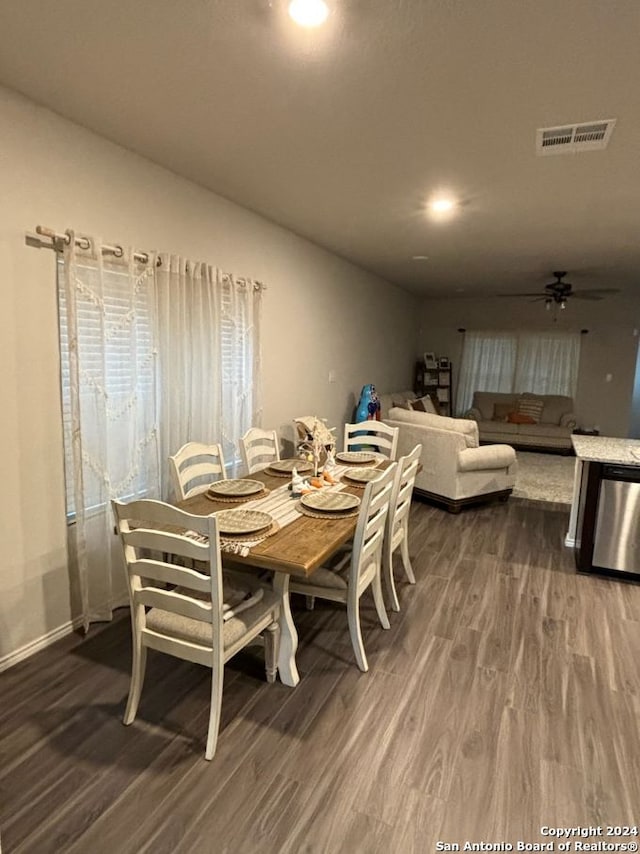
column 505, row 696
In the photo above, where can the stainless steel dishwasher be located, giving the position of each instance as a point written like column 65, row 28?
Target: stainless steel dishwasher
column 616, row 543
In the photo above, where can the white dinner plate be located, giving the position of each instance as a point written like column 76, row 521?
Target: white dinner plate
column 236, row 487
column 330, row 502
column 242, row 521
column 356, row 457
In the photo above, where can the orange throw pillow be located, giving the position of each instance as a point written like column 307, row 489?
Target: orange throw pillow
column 520, row 418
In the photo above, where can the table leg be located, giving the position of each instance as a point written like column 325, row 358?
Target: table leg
column 288, row 634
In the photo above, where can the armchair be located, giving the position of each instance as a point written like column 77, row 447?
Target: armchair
column 454, row 471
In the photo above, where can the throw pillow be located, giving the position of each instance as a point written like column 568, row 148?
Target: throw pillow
column 402, row 404
column 422, row 404
column 520, row 418
column 501, row 411
column 531, row 406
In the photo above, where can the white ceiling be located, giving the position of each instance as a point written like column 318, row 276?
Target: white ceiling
column 342, row 134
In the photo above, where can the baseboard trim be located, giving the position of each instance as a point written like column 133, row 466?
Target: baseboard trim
column 36, row 645
column 54, row 635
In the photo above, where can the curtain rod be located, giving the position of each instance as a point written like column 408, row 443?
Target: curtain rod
column 83, row 242
column 54, row 238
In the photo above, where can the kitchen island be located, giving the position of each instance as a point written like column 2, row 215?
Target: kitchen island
column 604, row 525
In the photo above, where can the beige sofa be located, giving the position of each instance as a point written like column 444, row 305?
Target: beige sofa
column 553, row 432
column 455, row 471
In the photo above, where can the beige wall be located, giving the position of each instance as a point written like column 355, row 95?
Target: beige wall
column 320, row 314
column 609, row 348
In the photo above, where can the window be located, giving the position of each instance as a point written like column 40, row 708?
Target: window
column 537, row 362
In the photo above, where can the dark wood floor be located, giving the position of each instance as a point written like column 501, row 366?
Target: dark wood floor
column 506, row 696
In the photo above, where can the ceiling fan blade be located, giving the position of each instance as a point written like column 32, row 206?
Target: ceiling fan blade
column 596, row 293
column 534, row 294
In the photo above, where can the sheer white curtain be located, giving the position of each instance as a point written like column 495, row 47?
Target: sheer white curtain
column 538, row 362
column 241, row 354
column 153, row 355
column 188, row 344
column 108, row 375
column 548, row 363
column 488, row 364
column 209, row 347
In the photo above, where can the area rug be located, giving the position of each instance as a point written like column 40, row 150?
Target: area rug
column 544, row 477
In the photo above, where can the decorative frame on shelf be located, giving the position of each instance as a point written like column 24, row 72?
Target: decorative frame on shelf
column 430, row 360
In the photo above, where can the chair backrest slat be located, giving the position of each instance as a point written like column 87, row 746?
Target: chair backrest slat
column 167, row 542
column 170, row 574
column 176, row 603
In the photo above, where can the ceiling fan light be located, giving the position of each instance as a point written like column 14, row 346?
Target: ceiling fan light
column 563, row 304
column 547, row 304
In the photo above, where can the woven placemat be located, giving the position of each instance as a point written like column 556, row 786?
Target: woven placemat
column 328, row 517
column 224, row 499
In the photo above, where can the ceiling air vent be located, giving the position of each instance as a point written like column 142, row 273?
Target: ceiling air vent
column 570, row 139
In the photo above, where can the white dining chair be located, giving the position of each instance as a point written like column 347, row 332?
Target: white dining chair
column 397, row 525
column 184, row 612
column 194, row 467
column 371, row 433
column 346, row 584
column 258, row 448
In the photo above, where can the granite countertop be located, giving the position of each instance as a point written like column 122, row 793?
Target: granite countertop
column 604, row 449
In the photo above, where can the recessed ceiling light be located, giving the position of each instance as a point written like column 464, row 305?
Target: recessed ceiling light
column 442, row 205
column 309, row 13
column 419, row 257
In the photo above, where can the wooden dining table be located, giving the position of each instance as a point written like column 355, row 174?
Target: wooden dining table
column 297, row 549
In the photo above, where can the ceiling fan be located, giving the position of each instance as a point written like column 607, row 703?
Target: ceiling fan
column 558, row 292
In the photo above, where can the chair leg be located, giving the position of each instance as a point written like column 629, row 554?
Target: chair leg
column 353, row 616
column 271, row 650
column 310, row 602
column 217, row 675
column 376, row 586
column 389, row 581
column 138, row 667
column 404, row 550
